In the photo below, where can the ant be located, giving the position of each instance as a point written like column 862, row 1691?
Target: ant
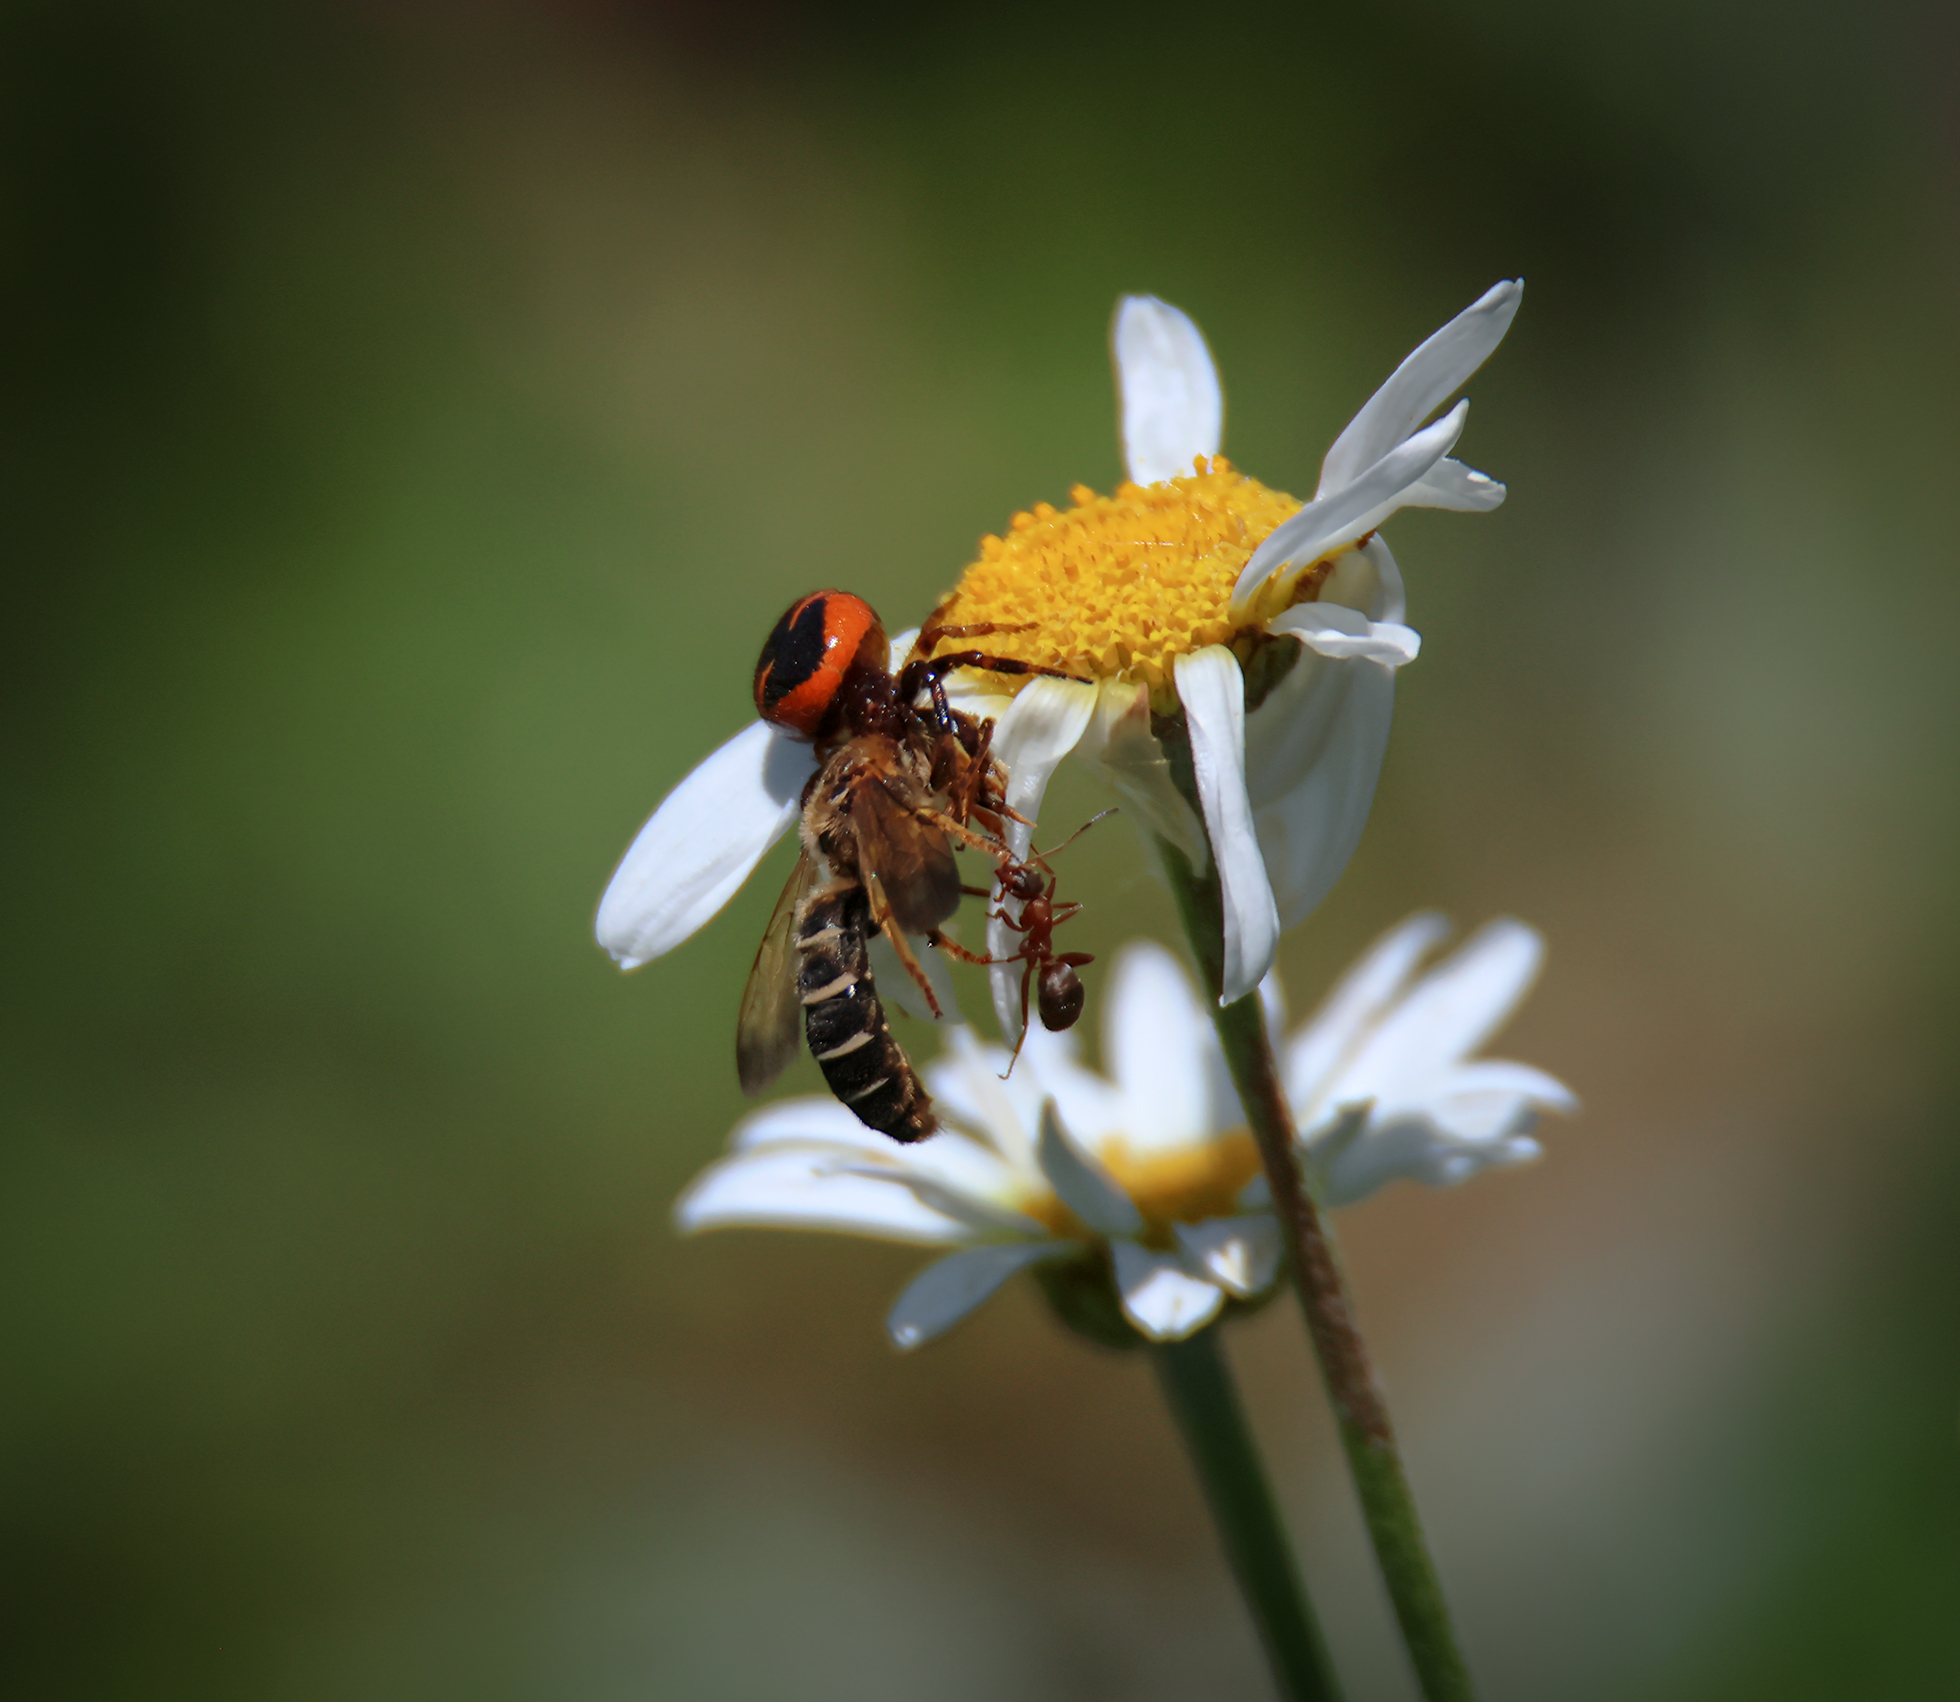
column 1049, row 976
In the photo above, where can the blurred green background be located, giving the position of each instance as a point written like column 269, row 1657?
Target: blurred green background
column 416, row 415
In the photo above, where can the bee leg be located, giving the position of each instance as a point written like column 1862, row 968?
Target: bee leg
column 965, row 835
column 881, row 914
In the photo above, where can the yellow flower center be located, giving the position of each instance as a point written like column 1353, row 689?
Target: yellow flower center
column 1183, row 1185
column 1118, row 587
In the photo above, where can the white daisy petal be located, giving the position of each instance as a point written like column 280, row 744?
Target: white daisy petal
column 702, row 844
column 1160, row 1296
column 1449, row 1013
column 944, row 1293
column 1450, row 484
column 1155, row 1040
column 967, row 1083
column 1422, row 383
column 902, row 643
column 976, row 1211
column 1411, row 1149
column 1364, row 993
column 1307, row 835
column 1173, row 408
column 1043, row 724
column 1344, row 634
column 1349, row 511
column 1518, row 1081
column 801, row 1121
column 1390, row 602
column 1082, row 1184
column 1240, row 1254
column 1212, row 690
column 1088, row 1106
column 1121, row 743
column 810, row 1187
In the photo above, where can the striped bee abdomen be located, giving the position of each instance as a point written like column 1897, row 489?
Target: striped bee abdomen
column 845, row 1024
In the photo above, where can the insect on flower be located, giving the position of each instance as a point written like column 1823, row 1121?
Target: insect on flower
column 901, row 778
column 1050, row 975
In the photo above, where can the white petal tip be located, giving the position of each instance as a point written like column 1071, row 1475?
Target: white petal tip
column 1172, row 407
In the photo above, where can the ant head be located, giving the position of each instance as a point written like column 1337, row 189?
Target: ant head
column 1058, row 995
column 1023, row 881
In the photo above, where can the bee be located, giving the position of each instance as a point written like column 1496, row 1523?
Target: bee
column 902, row 778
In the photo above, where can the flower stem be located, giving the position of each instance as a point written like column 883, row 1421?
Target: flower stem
column 1387, row 1504
column 1198, row 1386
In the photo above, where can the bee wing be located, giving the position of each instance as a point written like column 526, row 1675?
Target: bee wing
column 911, row 859
column 768, row 1030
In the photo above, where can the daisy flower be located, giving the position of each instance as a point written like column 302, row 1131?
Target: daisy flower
column 1146, row 1175
column 1256, row 634
column 1275, row 627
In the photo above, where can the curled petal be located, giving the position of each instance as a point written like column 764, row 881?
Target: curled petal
column 1164, row 1300
column 702, row 843
column 1212, row 691
column 1450, row 484
column 1421, row 384
column 944, row 1293
column 1348, row 511
column 1344, row 634
column 1173, row 409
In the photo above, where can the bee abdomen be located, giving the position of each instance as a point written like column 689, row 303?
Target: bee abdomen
column 845, row 1024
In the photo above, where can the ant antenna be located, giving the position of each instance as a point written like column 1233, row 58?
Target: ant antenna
column 1078, row 833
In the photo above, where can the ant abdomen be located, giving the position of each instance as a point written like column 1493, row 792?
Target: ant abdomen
column 1058, row 996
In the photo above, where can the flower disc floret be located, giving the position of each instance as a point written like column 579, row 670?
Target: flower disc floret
column 1118, row 587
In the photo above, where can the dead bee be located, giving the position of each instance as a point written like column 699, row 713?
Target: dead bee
column 899, row 783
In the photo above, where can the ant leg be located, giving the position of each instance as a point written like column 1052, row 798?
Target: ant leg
column 959, row 953
column 1027, row 978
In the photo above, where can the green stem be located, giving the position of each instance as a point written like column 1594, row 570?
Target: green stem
column 1387, row 1504
column 1197, row 1384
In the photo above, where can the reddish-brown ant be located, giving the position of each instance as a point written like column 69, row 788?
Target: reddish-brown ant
column 1049, row 977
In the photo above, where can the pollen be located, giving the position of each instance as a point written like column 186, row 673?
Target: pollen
column 1118, row 587
column 1185, row 1184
